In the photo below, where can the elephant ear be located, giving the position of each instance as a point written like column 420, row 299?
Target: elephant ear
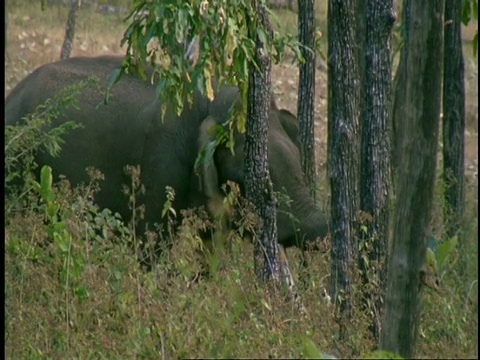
column 205, row 166
column 288, row 121
column 290, row 125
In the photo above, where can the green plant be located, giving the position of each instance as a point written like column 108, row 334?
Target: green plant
column 470, row 13
column 35, row 133
column 442, row 256
column 73, row 265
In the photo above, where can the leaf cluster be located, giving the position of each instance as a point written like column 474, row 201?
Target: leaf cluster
column 191, row 43
column 35, row 132
column 470, row 13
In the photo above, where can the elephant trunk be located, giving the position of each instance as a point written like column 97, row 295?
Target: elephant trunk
column 207, row 172
column 302, row 224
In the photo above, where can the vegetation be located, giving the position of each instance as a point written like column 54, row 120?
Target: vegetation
column 74, row 287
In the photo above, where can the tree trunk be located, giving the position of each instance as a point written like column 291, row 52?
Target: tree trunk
column 454, row 125
column 343, row 148
column 416, row 118
column 306, row 91
column 6, row 26
column 269, row 257
column 70, row 30
column 258, row 185
column 375, row 156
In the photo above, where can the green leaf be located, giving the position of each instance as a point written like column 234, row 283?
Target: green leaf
column 262, row 36
column 112, row 80
column 46, row 180
column 166, row 206
column 46, row 177
column 63, row 241
column 445, row 249
column 209, row 152
column 466, row 12
column 52, row 210
column 310, row 350
column 81, row 293
column 208, row 83
column 201, row 83
column 178, row 103
column 160, row 87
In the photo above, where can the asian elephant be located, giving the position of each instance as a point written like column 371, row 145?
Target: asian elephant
column 129, row 130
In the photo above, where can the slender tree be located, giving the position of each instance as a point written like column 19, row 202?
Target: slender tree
column 343, row 148
column 416, row 115
column 306, row 90
column 454, row 123
column 375, row 156
column 6, row 25
column 259, row 189
column 70, row 30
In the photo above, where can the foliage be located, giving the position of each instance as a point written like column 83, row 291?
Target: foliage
column 470, row 13
column 196, row 41
column 441, row 256
column 71, row 272
column 24, row 140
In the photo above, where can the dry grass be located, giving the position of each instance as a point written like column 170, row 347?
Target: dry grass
column 94, row 302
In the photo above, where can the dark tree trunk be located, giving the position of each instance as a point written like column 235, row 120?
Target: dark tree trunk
column 343, row 147
column 70, row 31
column 306, row 91
column 6, row 25
column 454, row 124
column 360, row 43
column 375, row 156
column 259, row 190
column 416, row 118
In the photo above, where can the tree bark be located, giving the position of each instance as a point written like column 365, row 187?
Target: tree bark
column 343, row 148
column 416, row 118
column 70, row 30
column 259, row 189
column 306, row 91
column 375, row 156
column 454, row 125
column 6, row 25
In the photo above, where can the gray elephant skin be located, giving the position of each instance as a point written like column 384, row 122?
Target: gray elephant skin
column 129, row 131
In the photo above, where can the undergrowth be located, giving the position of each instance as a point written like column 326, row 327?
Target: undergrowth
column 75, row 284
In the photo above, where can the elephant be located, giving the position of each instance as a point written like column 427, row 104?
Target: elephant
column 129, row 130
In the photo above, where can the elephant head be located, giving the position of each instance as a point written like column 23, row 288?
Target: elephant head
column 298, row 220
